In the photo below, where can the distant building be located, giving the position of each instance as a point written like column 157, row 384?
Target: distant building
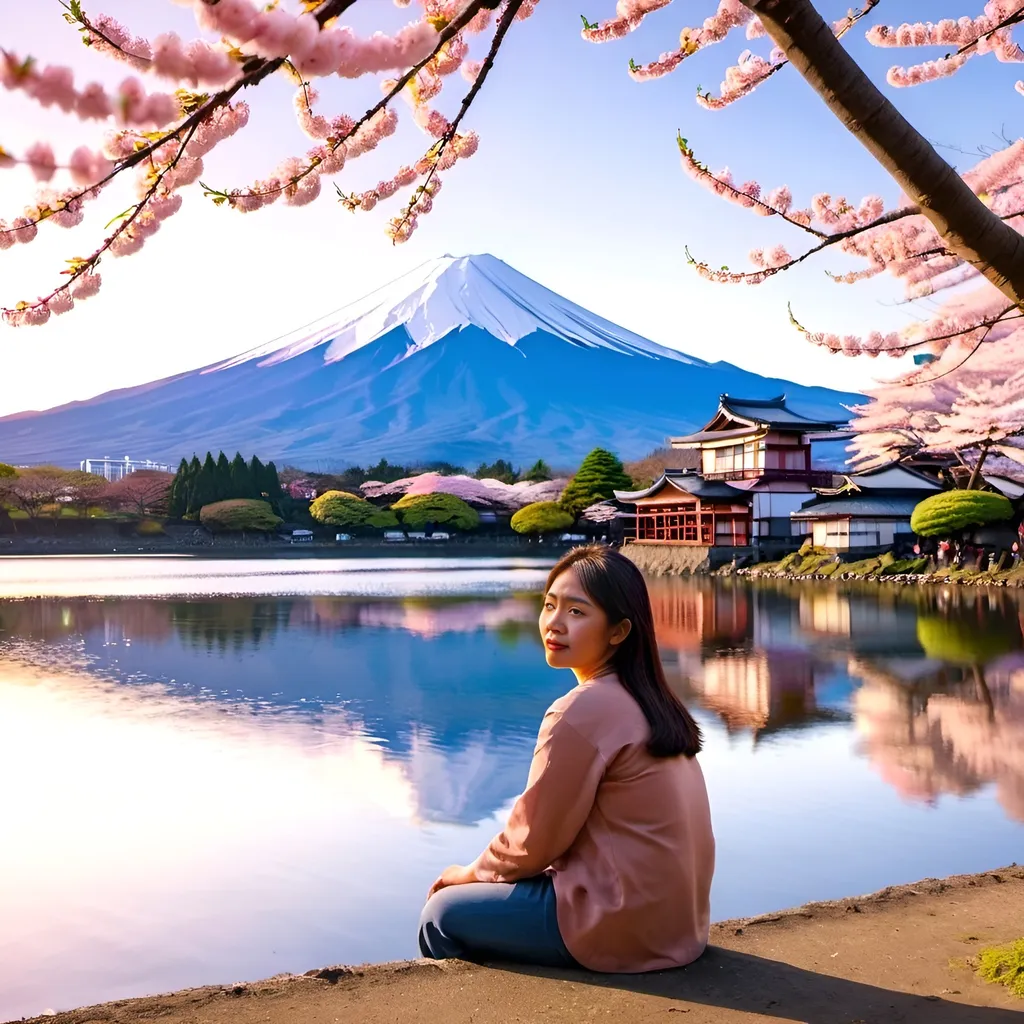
column 118, row 469
column 868, row 512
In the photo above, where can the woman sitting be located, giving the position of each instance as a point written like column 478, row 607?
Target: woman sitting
column 607, row 857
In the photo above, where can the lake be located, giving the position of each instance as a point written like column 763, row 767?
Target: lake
column 217, row 771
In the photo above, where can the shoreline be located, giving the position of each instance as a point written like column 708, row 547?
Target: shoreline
column 900, row 954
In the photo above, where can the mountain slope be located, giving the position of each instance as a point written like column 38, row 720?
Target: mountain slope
column 464, row 360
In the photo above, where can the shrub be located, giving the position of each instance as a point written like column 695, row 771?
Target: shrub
column 149, row 528
column 951, row 511
column 417, row 510
column 239, row 514
column 339, row 508
column 541, row 517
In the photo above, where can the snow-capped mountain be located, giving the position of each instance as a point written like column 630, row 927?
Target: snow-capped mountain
column 462, row 359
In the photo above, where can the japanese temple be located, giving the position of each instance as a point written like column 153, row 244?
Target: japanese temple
column 755, row 471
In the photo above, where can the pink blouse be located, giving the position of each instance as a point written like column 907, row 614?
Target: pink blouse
column 627, row 836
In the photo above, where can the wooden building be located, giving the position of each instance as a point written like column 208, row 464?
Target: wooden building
column 763, row 447
column 684, row 508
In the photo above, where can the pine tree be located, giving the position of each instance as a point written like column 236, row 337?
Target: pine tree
column 257, row 476
column 538, row 472
column 204, row 491
column 272, row 485
column 241, row 480
column 223, row 478
column 177, row 502
column 195, row 467
column 599, row 475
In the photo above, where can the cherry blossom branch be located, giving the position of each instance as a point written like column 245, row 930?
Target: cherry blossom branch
column 894, row 344
column 402, row 226
column 251, row 198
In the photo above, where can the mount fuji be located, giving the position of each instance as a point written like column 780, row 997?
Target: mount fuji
column 462, row 359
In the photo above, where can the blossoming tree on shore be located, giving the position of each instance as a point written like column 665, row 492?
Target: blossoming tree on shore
column 161, row 133
column 949, row 235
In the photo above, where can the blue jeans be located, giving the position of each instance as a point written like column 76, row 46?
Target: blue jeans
column 495, row 921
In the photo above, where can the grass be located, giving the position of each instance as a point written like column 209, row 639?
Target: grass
column 1003, row 965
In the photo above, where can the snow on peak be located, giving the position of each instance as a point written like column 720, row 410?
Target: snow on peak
column 449, row 293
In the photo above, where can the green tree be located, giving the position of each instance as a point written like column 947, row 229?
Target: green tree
column 949, row 512
column 177, row 502
column 223, row 479
column 257, row 477
column 272, row 484
column 542, row 517
column 599, row 476
column 538, row 472
column 500, row 470
column 241, row 480
column 419, row 510
column 204, row 484
column 385, row 472
column 239, row 514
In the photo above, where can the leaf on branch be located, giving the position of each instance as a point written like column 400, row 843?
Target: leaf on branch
column 218, row 197
column 116, row 217
column 76, row 264
column 190, row 101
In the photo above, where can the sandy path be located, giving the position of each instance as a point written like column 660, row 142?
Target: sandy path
column 871, row 960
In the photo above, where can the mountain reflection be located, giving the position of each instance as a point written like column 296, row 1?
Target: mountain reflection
column 452, row 690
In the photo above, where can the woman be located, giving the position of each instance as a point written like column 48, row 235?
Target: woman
column 607, row 857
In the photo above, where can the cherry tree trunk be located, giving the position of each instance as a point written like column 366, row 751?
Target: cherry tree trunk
column 966, row 225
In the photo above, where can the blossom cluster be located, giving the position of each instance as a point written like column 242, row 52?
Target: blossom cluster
column 486, row 494
column 54, row 85
column 988, row 33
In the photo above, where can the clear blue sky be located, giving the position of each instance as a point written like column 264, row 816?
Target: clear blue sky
column 576, row 183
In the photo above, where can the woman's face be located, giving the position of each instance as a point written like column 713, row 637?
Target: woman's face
column 575, row 631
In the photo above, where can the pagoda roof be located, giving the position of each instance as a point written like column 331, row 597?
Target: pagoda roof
column 690, row 483
column 736, row 417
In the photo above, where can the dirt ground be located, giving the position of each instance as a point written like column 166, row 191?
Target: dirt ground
column 895, row 956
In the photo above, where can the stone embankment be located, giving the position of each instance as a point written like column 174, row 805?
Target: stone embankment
column 810, row 563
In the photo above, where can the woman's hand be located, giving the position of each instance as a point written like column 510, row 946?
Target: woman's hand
column 457, row 874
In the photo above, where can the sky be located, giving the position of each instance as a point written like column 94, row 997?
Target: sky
column 576, row 183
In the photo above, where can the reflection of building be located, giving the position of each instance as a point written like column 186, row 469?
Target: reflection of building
column 713, row 645
column 118, row 469
column 689, row 616
column 764, row 692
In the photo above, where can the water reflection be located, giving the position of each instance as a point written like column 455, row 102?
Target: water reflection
column 268, row 783
column 935, row 676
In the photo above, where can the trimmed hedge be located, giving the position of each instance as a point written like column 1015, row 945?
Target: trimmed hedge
column 542, row 517
column 417, row 510
column 239, row 514
column 339, row 508
column 951, row 511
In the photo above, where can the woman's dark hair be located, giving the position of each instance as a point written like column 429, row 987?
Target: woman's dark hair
column 617, row 587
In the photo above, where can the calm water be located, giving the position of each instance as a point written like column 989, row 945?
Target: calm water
column 206, row 788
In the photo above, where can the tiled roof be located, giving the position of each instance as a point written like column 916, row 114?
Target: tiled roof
column 691, row 483
column 868, row 506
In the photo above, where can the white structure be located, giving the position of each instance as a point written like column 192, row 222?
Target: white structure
column 118, row 469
